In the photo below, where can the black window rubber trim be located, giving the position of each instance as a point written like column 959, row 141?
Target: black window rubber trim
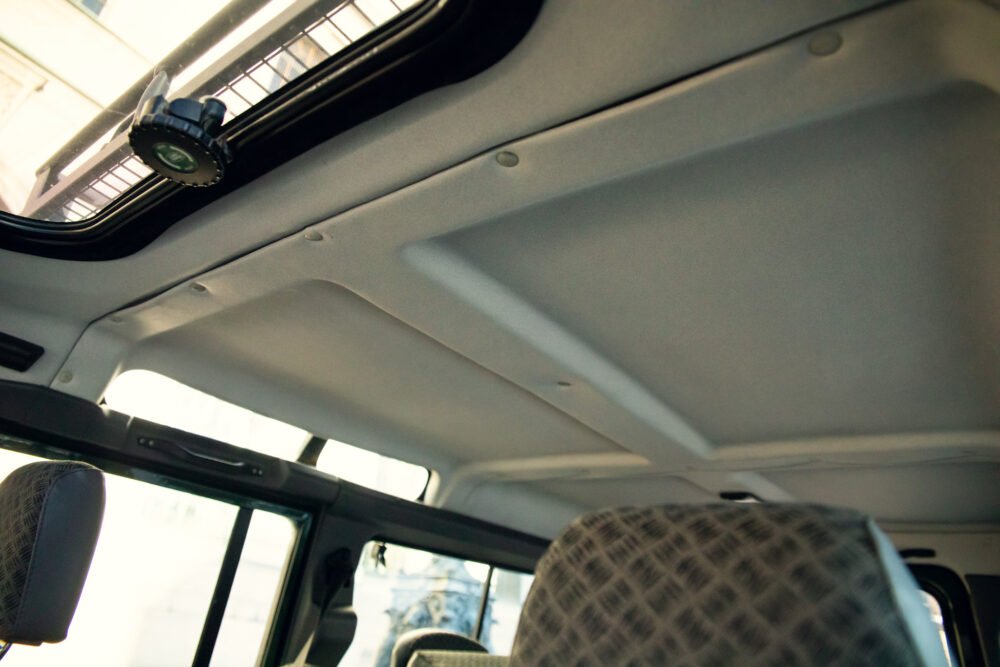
column 223, row 588
column 985, row 590
column 438, row 43
column 956, row 609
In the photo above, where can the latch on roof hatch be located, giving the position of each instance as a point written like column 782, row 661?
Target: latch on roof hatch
column 179, row 139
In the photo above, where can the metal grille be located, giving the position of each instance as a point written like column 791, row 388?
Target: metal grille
column 335, row 31
column 107, row 186
column 249, row 78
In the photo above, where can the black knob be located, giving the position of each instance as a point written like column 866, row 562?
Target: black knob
column 179, row 138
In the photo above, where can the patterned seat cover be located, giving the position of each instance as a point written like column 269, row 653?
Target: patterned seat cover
column 50, row 517
column 727, row 584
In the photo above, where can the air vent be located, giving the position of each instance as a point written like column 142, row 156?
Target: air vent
column 16, row 354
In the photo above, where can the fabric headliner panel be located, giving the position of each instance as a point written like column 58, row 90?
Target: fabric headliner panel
column 798, row 300
column 940, row 188
column 947, row 492
column 595, row 493
column 951, row 493
column 570, row 63
column 376, row 375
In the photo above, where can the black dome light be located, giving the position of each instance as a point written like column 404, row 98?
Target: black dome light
column 178, row 139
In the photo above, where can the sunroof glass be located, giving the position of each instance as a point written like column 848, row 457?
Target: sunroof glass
column 67, row 66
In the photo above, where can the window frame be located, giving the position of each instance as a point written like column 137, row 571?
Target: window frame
column 343, row 516
column 960, row 627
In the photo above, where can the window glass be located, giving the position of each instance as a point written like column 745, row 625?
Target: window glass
column 508, row 591
column 93, row 6
column 256, row 590
column 388, row 475
column 152, row 578
column 159, row 399
column 937, row 616
column 408, row 589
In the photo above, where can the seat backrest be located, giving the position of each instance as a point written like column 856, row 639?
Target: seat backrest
column 732, row 584
column 431, row 639
column 50, row 517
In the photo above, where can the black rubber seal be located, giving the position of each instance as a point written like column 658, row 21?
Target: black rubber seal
column 956, row 609
column 223, row 588
column 17, row 354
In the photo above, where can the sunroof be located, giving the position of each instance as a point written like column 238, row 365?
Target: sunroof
column 71, row 73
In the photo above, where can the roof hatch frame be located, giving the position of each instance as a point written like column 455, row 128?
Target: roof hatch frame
column 435, row 43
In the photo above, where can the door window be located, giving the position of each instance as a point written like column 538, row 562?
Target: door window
column 154, row 572
column 398, row 589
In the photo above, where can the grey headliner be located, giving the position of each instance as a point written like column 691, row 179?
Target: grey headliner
column 761, row 303
column 778, row 275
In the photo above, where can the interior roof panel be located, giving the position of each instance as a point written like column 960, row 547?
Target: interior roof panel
column 788, row 246
column 946, row 493
column 383, row 383
column 824, row 293
column 596, row 493
column 570, row 64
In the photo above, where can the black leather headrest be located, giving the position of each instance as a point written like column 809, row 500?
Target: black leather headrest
column 730, row 584
column 429, row 639
column 50, row 516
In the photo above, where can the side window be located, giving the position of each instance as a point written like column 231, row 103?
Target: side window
column 159, row 399
column 398, row 589
column 937, row 616
column 153, row 576
column 256, row 590
column 373, row 471
column 508, row 591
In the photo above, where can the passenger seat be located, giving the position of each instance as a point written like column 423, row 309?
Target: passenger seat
column 723, row 584
column 50, row 517
column 442, row 648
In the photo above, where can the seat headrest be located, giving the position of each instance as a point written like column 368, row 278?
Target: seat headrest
column 721, row 585
column 456, row 659
column 50, row 516
column 430, row 639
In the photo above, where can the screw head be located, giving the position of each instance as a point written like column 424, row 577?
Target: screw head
column 825, row 43
column 313, row 235
column 507, row 159
column 198, row 287
column 66, row 377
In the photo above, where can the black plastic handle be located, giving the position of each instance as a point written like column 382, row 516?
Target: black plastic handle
column 180, row 451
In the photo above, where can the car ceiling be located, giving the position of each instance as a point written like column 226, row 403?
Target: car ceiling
column 745, row 246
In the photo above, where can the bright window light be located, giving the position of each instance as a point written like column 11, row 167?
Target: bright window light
column 153, row 574
column 49, row 97
column 937, row 616
column 388, row 475
column 157, row 398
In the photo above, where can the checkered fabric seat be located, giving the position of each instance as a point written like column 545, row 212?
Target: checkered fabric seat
column 732, row 584
column 427, row 640
column 50, row 517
